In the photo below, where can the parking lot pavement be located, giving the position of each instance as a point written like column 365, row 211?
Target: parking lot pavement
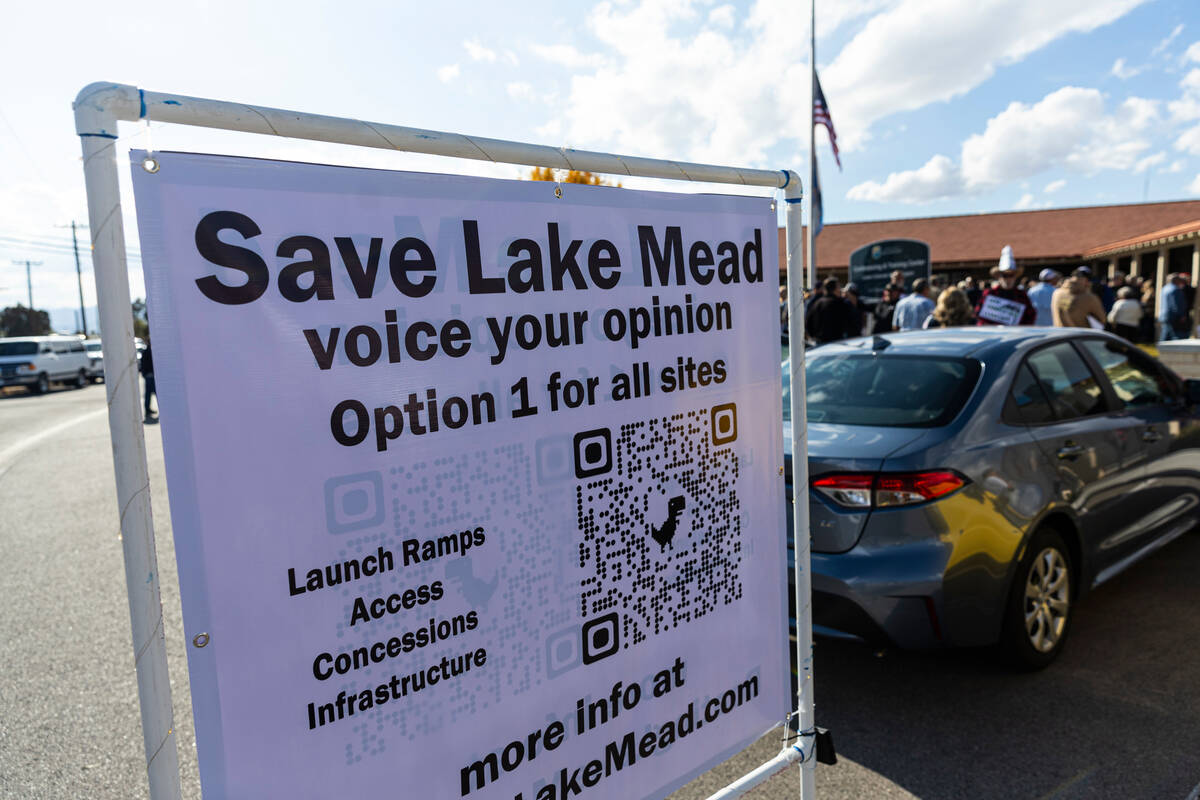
column 1117, row 716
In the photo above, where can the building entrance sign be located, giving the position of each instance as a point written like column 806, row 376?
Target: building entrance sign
column 872, row 264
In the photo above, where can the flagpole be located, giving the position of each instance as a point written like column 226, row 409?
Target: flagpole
column 804, row 671
column 812, row 151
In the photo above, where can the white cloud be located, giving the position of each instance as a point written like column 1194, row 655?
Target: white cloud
column 478, row 52
column 1028, row 201
column 1067, row 129
column 673, row 82
column 1150, row 161
column 448, row 73
column 1194, row 186
column 567, row 56
column 511, row 58
column 1189, row 141
column 1054, row 186
column 1192, row 53
column 1187, row 107
column 520, row 90
column 1165, row 43
column 939, row 179
column 1176, row 166
column 722, row 16
column 1122, row 71
column 924, row 51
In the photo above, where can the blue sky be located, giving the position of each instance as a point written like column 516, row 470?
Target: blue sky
column 941, row 106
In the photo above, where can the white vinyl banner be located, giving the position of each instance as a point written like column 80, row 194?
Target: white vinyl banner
column 476, row 490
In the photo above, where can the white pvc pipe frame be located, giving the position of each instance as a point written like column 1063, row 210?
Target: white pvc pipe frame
column 99, row 106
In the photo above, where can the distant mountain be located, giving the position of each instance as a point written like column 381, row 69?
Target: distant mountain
column 66, row 320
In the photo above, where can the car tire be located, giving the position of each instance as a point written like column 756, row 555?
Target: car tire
column 42, row 386
column 81, row 380
column 1040, row 604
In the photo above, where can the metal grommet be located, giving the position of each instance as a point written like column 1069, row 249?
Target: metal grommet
column 558, row 191
column 200, row 639
column 150, row 164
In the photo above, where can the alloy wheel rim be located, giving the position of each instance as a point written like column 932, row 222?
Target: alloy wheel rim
column 1047, row 600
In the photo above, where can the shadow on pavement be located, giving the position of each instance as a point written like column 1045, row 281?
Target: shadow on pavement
column 1118, row 715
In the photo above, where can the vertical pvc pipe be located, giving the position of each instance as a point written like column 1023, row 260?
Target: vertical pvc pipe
column 97, row 129
column 801, row 544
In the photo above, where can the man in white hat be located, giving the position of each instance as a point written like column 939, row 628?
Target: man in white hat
column 1040, row 296
column 1004, row 303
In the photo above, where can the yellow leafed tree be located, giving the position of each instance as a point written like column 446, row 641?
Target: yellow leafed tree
column 573, row 176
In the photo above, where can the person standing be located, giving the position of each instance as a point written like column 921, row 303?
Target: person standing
column 974, row 293
column 1041, row 296
column 915, row 308
column 885, row 310
column 828, row 317
column 858, row 312
column 146, row 367
column 1126, row 315
column 1016, row 309
column 1172, row 311
column 1074, row 305
column 953, row 310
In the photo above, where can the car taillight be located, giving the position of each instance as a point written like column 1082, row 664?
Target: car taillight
column 915, row 487
column 888, row 490
column 851, row 491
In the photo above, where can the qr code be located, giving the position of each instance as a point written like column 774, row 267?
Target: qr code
column 660, row 524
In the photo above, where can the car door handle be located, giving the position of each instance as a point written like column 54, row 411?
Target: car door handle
column 1150, row 435
column 1071, row 451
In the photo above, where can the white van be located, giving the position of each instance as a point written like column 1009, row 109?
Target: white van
column 36, row 361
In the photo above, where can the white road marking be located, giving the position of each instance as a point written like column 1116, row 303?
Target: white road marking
column 9, row 454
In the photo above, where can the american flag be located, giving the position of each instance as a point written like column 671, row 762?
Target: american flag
column 821, row 117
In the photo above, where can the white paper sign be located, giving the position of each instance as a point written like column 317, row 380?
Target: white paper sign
column 1001, row 311
column 476, row 491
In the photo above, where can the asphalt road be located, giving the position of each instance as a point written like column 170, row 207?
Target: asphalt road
column 1117, row 716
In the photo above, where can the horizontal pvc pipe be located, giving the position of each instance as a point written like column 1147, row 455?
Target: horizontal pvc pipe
column 130, row 103
column 779, row 763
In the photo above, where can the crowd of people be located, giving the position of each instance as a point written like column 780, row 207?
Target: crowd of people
column 1126, row 305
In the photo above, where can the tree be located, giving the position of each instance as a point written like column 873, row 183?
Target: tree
column 141, row 323
column 573, row 176
column 21, row 321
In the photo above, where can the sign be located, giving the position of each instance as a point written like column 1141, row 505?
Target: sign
column 1001, row 311
column 872, row 265
column 476, row 491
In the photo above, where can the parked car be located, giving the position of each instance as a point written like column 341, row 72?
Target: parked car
column 970, row 486
column 36, row 361
column 95, row 352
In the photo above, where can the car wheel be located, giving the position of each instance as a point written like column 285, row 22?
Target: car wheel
column 42, row 386
column 1039, row 612
column 81, row 380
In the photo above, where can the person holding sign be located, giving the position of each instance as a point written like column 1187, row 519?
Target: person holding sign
column 1075, row 305
column 1005, row 303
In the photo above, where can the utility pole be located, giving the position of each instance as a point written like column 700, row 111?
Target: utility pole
column 28, row 277
column 78, row 273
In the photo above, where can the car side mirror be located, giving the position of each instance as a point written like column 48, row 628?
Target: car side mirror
column 1191, row 389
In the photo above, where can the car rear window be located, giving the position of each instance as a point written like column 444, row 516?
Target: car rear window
column 18, row 348
column 889, row 391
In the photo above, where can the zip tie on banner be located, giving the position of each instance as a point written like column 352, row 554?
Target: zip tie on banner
column 149, row 163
